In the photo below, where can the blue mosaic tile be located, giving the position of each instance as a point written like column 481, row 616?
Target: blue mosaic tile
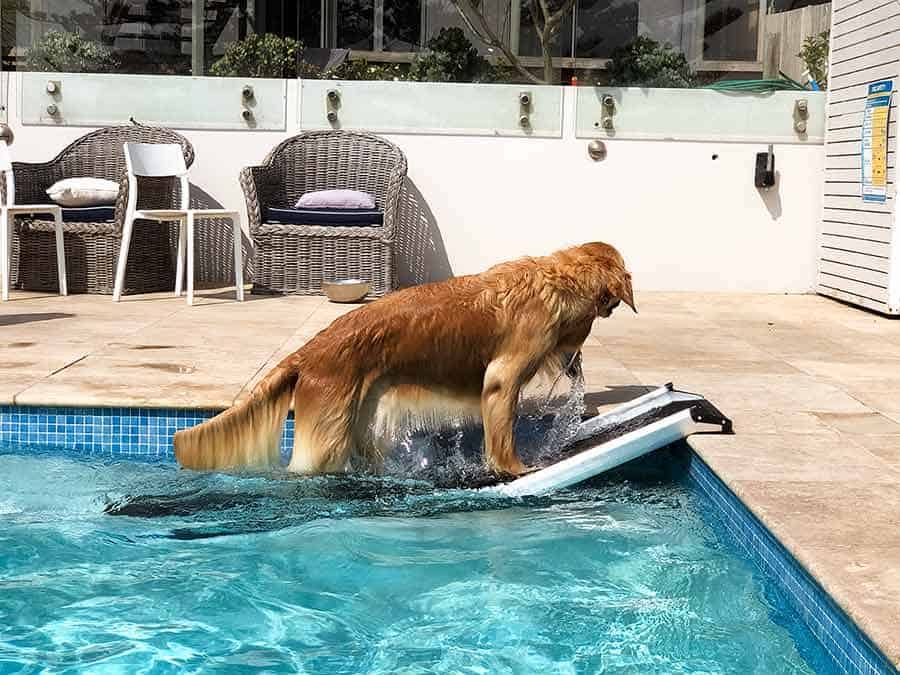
column 130, row 432
column 850, row 649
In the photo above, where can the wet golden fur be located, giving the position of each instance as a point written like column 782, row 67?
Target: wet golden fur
column 458, row 348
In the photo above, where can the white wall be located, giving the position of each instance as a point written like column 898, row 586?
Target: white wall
column 683, row 220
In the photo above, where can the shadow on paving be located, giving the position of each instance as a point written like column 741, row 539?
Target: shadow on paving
column 16, row 319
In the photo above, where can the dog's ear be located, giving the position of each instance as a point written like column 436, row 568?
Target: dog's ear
column 620, row 287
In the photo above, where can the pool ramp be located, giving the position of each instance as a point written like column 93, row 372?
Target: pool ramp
column 638, row 427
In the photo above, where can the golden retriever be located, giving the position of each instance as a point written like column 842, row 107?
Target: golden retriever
column 461, row 348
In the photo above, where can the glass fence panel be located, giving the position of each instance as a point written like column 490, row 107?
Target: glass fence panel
column 91, row 99
column 430, row 107
column 695, row 115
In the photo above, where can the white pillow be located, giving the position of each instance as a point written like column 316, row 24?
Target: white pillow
column 336, row 199
column 84, row 192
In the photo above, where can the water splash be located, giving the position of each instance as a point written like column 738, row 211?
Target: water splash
column 549, row 416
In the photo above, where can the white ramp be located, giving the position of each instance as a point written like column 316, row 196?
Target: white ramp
column 635, row 428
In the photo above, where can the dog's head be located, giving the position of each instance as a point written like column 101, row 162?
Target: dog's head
column 603, row 272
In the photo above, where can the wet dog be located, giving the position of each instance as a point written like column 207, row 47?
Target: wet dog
column 462, row 348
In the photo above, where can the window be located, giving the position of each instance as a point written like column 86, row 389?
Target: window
column 402, row 25
column 298, row 19
column 142, row 36
column 354, row 24
column 379, row 25
column 186, row 36
column 730, row 30
column 439, row 14
column 603, row 25
column 529, row 44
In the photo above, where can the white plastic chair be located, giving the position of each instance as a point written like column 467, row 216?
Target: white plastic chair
column 8, row 211
column 158, row 160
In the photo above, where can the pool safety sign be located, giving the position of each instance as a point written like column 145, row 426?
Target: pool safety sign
column 875, row 141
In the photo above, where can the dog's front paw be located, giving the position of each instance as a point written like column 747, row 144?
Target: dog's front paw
column 513, row 468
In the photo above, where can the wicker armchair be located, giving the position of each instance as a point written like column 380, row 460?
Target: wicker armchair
column 92, row 248
column 295, row 258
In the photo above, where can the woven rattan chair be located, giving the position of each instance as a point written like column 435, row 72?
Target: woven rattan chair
column 8, row 212
column 297, row 258
column 92, row 236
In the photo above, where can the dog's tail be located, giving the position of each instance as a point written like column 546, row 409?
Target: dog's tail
column 247, row 435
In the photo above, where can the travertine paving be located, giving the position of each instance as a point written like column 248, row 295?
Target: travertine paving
column 813, row 387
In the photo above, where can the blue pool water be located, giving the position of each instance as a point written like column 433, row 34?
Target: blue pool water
column 218, row 573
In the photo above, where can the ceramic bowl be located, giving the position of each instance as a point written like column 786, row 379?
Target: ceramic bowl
column 346, row 290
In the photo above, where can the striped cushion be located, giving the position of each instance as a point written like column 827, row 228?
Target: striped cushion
column 89, row 214
column 363, row 217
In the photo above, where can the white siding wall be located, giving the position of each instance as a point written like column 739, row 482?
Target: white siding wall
column 856, row 237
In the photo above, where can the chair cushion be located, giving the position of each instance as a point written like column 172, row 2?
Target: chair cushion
column 84, row 192
column 358, row 217
column 89, row 214
column 336, row 199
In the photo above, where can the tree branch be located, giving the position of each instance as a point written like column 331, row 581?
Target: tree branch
column 534, row 11
column 546, row 34
column 543, row 39
column 558, row 15
column 484, row 33
column 545, row 11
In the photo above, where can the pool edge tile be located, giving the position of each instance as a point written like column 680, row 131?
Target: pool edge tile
column 852, row 651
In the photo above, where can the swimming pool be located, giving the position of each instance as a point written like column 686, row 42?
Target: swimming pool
column 329, row 575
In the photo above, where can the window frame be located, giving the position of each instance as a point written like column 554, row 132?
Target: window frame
column 329, row 25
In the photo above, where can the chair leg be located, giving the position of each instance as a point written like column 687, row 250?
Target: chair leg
column 5, row 254
column 238, row 259
column 179, row 266
column 190, row 258
column 60, row 253
column 123, row 258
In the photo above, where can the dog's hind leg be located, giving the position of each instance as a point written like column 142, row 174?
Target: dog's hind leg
column 323, row 439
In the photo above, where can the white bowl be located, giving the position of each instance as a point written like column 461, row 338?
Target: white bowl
column 346, row 290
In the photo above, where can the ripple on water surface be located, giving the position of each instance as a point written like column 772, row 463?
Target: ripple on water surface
column 347, row 575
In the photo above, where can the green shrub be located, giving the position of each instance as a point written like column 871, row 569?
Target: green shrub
column 69, row 53
column 646, row 63
column 262, row 56
column 450, row 57
column 360, row 69
column 815, row 56
column 500, row 73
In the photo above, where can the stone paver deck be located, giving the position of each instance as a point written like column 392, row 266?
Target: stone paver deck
column 813, row 387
